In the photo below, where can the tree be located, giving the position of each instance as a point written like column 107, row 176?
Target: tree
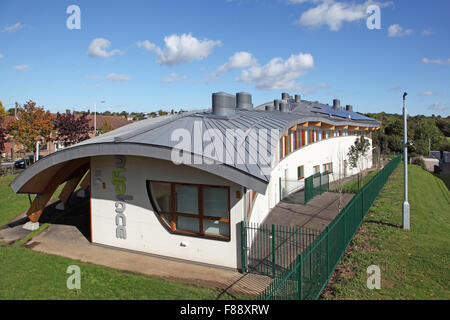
column 427, row 133
column 356, row 154
column 72, row 129
column 33, row 124
column 105, row 127
column 3, row 115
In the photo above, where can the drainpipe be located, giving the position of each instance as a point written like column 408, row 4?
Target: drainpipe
column 37, row 150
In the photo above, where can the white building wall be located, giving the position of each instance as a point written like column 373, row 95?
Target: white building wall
column 147, row 234
column 144, row 230
column 318, row 153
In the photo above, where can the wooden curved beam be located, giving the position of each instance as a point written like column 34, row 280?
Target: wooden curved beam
column 41, row 200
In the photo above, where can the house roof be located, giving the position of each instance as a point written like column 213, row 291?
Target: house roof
column 153, row 138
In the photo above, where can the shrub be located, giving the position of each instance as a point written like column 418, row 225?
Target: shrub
column 420, row 162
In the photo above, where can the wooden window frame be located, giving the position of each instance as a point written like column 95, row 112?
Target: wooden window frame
column 303, row 172
column 200, row 216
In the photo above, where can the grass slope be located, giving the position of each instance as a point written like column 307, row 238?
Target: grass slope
column 11, row 204
column 414, row 264
column 31, row 275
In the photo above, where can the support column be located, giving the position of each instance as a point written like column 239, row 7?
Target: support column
column 41, row 200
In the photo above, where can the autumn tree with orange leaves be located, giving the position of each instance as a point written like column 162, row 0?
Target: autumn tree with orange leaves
column 33, row 124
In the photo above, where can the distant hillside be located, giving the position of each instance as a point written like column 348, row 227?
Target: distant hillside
column 425, row 131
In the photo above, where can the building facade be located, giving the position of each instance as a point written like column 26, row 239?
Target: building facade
column 178, row 186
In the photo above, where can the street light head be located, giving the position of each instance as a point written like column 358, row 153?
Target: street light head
column 404, row 95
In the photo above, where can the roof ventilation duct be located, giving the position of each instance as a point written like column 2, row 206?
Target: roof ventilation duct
column 336, row 104
column 223, row 104
column 349, row 108
column 284, row 106
column 244, row 101
column 285, row 96
column 297, row 98
column 276, row 104
column 270, row 107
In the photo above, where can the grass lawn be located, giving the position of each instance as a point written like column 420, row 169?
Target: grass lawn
column 352, row 186
column 31, row 275
column 27, row 274
column 414, row 264
column 11, row 204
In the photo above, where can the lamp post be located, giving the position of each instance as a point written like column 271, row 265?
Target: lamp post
column 405, row 209
column 95, row 117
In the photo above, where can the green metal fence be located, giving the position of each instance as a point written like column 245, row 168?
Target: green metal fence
column 304, row 190
column 308, row 269
column 316, row 185
column 270, row 249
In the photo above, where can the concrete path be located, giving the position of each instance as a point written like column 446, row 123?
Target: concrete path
column 316, row 214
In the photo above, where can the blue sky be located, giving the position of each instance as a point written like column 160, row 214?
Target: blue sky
column 147, row 55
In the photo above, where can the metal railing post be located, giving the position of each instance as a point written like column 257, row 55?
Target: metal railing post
column 300, row 278
column 273, row 251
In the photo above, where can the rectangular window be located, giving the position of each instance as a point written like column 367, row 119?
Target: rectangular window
column 192, row 209
column 316, row 169
column 328, row 167
column 300, row 172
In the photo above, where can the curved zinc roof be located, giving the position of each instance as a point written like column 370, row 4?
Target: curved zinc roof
column 153, row 138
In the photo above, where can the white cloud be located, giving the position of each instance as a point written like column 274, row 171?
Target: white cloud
column 21, row 67
column 437, row 106
column 147, row 45
column 436, row 61
column 98, row 48
column 114, row 77
column 239, row 60
column 12, row 28
column 181, row 48
column 427, row 93
column 173, row 77
column 1, row 56
column 427, row 32
column 334, row 14
column 278, row 74
column 395, row 31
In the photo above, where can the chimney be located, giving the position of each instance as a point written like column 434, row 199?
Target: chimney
column 285, row 96
column 349, row 108
column 336, row 104
column 244, row 100
column 223, row 104
column 297, row 98
column 276, row 104
column 284, row 106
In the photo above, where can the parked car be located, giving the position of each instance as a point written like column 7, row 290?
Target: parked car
column 24, row 162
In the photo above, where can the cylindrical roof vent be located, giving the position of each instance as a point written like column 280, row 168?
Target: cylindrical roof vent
column 270, row 107
column 349, row 108
column 297, row 98
column 223, row 104
column 276, row 104
column 285, row 96
column 284, row 106
column 244, row 100
column 336, row 104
